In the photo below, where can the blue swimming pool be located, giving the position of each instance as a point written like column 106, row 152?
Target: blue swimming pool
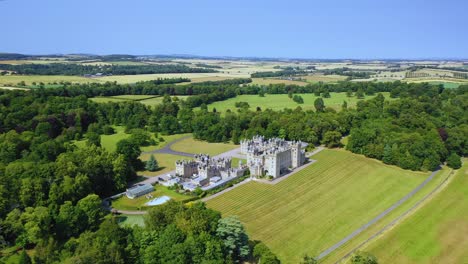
column 158, row 200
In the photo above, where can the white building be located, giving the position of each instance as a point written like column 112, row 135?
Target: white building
column 206, row 172
column 272, row 157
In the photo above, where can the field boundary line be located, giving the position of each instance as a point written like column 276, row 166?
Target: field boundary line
column 400, row 217
column 377, row 218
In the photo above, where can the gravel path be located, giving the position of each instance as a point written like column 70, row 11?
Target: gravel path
column 377, row 218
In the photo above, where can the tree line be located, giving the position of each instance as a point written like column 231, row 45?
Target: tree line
column 105, row 69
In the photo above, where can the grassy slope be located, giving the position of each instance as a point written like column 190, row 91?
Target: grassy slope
column 190, row 145
column 281, row 101
column 362, row 237
column 437, row 233
column 319, row 205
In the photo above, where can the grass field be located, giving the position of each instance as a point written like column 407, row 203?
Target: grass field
column 166, row 140
column 12, row 80
column 191, row 145
column 324, row 78
column 158, row 100
column 124, row 203
column 267, row 81
column 131, row 220
column 166, row 163
column 281, row 101
column 319, row 205
column 446, row 83
column 148, row 77
column 109, row 142
column 144, row 99
column 436, row 233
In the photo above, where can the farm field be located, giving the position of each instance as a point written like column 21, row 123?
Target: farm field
column 319, row 205
column 445, row 82
column 191, row 145
column 124, row 203
column 324, row 78
column 12, row 80
column 281, row 101
column 149, row 77
column 267, row 81
column 436, row 233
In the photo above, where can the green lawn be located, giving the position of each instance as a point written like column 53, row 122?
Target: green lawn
column 191, row 145
column 166, row 140
column 166, row 163
column 436, row 233
column 281, row 101
column 319, row 205
column 131, row 220
column 109, row 142
column 124, row 203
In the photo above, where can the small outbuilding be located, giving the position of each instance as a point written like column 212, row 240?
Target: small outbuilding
column 139, row 190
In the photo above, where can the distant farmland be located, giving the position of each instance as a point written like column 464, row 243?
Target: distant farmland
column 319, row 205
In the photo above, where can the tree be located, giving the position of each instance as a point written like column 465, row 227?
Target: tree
column 364, row 258
column 24, row 258
column 309, row 260
column 93, row 139
column 91, row 206
column 151, row 164
column 332, row 139
column 454, row 161
column 298, row 99
column 233, row 234
column 360, row 93
column 263, row 254
column 344, row 106
column 319, row 104
column 130, row 150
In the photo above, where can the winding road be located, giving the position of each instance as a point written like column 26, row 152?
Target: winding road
column 168, row 150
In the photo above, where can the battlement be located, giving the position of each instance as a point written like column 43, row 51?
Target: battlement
column 272, row 156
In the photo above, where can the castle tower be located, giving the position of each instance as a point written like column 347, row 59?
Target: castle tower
column 296, row 155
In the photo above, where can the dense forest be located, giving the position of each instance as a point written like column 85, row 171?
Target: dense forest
column 104, row 69
column 51, row 190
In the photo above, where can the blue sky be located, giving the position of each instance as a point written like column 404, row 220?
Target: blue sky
column 293, row 28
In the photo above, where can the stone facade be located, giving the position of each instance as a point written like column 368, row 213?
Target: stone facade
column 272, row 157
column 202, row 168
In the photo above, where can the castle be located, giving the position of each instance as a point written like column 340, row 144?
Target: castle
column 204, row 170
column 272, row 157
